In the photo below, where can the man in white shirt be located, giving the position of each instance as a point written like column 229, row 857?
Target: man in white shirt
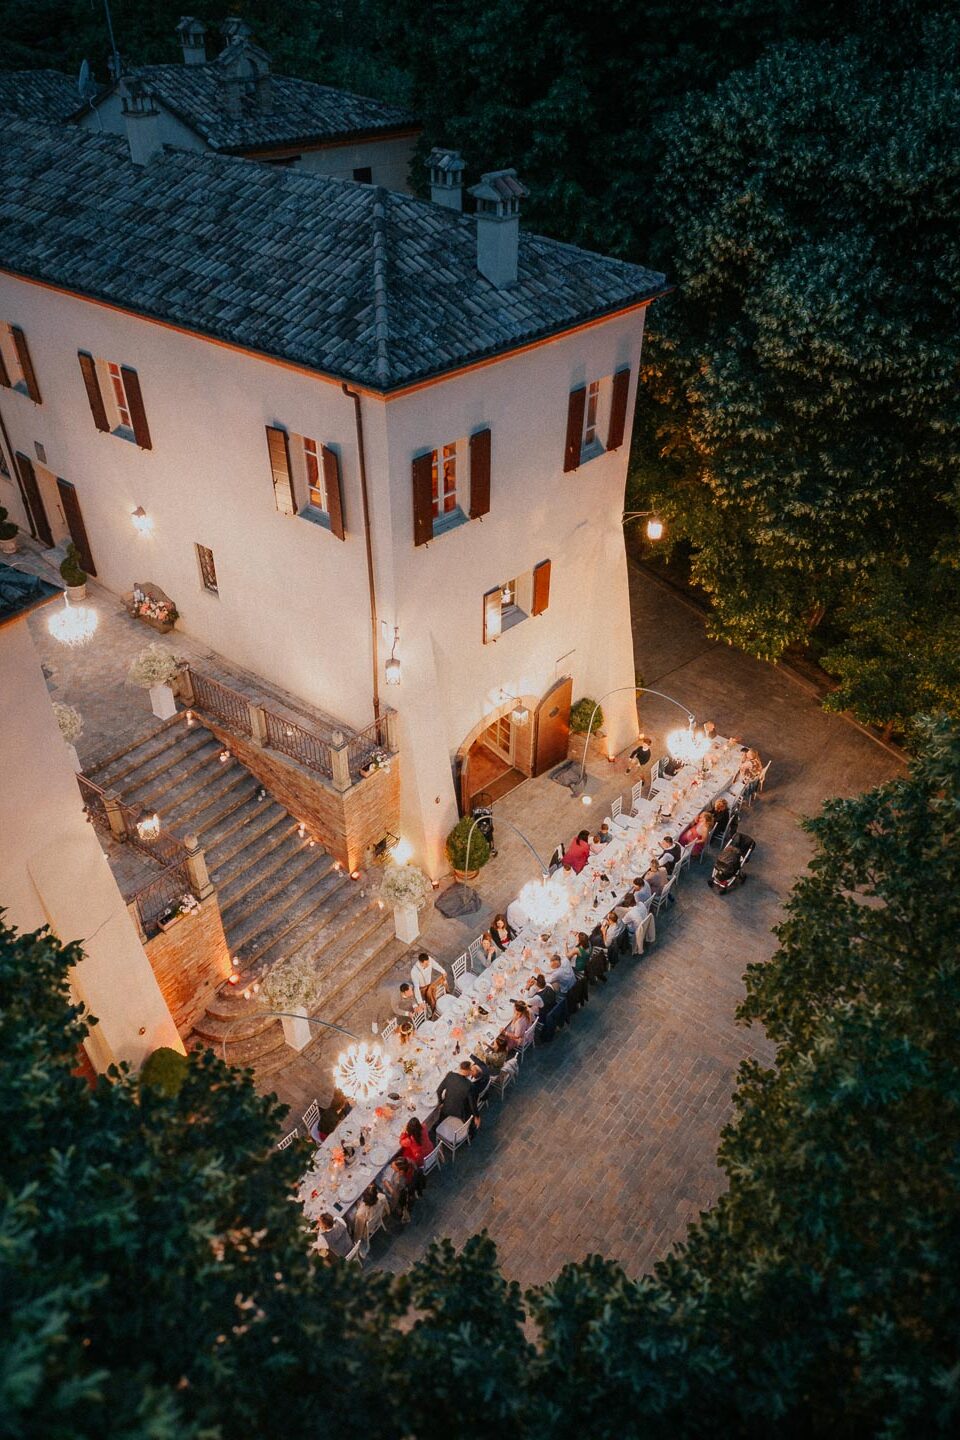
column 633, row 912
column 426, row 989
column 562, row 974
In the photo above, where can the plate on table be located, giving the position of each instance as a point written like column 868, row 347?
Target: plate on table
column 380, row 1154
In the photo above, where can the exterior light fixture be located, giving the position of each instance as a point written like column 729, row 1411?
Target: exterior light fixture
column 392, row 668
column 544, row 901
column 73, row 625
column 519, row 714
column 142, row 522
column 149, row 828
column 654, row 529
column 361, row 1072
column 687, row 745
column 402, row 852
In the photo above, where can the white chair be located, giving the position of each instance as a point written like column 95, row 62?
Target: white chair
column 459, row 968
column 476, row 955
column 660, row 901
column 507, row 1076
column 433, row 1161
column 657, row 770
column 657, row 788
column 636, row 795
column 310, row 1117
column 419, row 1018
column 684, row 860
column 356, row 1254
column 706, row 844
column 526, row 1042
column 452, row 1133
column 390, row 1029
column 289, row 1139
column 763, row 775
column 483, row 1097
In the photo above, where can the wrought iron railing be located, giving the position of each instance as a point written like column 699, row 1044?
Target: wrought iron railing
column 94, row 803
column 362, row 747
column 162, row 894
column 220, row 701
column 293, row 740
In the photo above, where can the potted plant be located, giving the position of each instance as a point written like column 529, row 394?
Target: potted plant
column 378, row 760
column 405, row 888
column 464, row 847
column 8, row 534
column 580, row 717
column 155, row 669
column 71, row 728
column 148, row 603
column 294, row 988
column 73, row 574
column 186, row 905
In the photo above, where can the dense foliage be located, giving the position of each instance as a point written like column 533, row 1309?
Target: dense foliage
column 155, row 1279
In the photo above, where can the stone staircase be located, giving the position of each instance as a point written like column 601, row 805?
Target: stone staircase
column 280, row 896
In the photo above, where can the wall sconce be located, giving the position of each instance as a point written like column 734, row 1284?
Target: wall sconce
column 142, row 522
column 392, row 668
column 519, row 714
column 654, row 529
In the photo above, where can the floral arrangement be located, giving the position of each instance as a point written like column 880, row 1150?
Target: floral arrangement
column 405, row 885
column 156, row 665
column 294, row 985
column 337, row 1156
column 379, row 760
column 70, row 721
column 188, row 904
column 163, row 610
column 384, row 1112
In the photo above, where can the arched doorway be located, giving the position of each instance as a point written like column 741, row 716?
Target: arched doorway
column 496, row 756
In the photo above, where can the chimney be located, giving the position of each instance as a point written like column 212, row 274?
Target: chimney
column 498, row 199
column 192, row 36
column 446, row 178
column 142, row 120
column 235, row 29
column 265, row 93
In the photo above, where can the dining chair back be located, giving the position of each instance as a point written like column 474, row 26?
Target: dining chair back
column 433, row 1161
column 310, row 1117
column 452, row 1133
column 289, row 1139
column 389, row 1029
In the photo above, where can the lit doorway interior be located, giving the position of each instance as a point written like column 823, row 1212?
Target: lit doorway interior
column 488, row 769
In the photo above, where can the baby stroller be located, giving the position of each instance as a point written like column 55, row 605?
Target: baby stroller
column 730, row 862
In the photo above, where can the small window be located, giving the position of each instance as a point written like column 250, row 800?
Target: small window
column 313, row 472
column 590, row 415
column 506, row 605
column 596, row 415
column 364, row 175
column 444, row 481
column 119, row 394
column 208, row 570
column 11, row 369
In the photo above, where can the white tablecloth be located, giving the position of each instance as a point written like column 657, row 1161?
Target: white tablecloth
column 438, row 1047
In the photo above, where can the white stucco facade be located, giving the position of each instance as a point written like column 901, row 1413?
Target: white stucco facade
column 293, row 602
column 53, row 871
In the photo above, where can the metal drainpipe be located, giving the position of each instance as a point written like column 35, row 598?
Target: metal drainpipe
column 355, row 397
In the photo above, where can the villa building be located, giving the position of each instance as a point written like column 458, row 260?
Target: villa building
column 375, row 447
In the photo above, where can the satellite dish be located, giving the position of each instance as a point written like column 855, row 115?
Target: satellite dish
column 85, row 82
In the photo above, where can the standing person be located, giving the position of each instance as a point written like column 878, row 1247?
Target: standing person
column 639, row 756
column 334, row 1238
column 415, row 1142
column 405, row 1007
column 578, row 852
column 456, row 1095
column 425, row 989
column 501, row 933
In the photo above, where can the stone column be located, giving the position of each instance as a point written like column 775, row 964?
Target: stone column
column 341, row 768
column 118, row 825
column 258, row 724
column 200, row 882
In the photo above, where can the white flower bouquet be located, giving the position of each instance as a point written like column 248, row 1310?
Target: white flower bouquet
column 156, row 665
column 70, row 721
column 404, row 885
column 293, row 985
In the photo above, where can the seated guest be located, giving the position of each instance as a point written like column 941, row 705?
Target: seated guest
column 399, row 1186
column 562, row 974
column 415, row 1142
column 489, row 948
column 373, row 1209
column 501, row 933
column 726, row 827
column 553, row 1010
column 518, row 1026
column 578, row 852
column 426, row 990
column 334, row 1238
column 578, row 952
column 669, row 854
column 750, row 767
column 611, row 928
column 549, row 998
column 456, row 1095
column 495, row 1056
column 697, row 832
column 655, row 878
column 672, row 767
column 566, row 872
column 405, row 1008
column 331, row 1115
column 480, row 1076
column 642, row 890
column 634, row 912
column 597, row 966
column 602, row 837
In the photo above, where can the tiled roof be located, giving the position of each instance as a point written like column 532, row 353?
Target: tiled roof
column 301, row 111
column 21, row 593
column 39, row 94
column 351, row 280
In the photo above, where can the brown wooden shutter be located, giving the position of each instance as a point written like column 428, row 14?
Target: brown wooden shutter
column 541, row 587
column 479, row 474
column 26, row 364
column 618, row 409
column 278, row 446
column 88, row 368
column 492, row 620
column 78, row 531
column 575, row 408
column 4, row 376
column 333, row 489
column 131, row 384
column 422, row 470
column 41, row 525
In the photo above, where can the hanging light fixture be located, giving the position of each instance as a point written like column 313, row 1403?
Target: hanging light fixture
column 519, row 714
column 544, row 901
column 73, row 625
column 392, row 668
column 361, row 1072
column 654, row 529
column 149, row 828
column 688, row 745
column 142, row 522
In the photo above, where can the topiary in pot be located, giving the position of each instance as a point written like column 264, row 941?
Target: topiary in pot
column 580, row 717
column 72, row 572
column 8, row 534
column 457, row 845
column 165, row 1070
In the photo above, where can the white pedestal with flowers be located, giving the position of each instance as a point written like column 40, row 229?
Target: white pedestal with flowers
column 405, row 888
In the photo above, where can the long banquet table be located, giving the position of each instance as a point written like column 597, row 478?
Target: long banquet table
column 438, row 1046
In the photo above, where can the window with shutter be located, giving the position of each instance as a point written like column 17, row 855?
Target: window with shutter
column 439, row 481
column 541, row 587
column 333, row 490
column 16, row 366
column 316, row 487
column 515, row 600
column 596, row 411
column 492, row 605
column 91, row 380
column 26, row 364
column 618, row 409
column 479, row 474
column 278, row 448
column 575, row 409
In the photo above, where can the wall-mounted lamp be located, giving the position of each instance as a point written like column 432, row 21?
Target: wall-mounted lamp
column 149, row 828
column 654, row 529
column 519, row 714
column 142, row 522
column 392, row 668
column 654, row 525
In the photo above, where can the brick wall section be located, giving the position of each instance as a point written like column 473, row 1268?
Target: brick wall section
column 190, row 960
column 344, row 823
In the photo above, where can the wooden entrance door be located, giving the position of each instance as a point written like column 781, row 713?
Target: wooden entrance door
column 74, row 519
column 32, row 499
column 553, row 726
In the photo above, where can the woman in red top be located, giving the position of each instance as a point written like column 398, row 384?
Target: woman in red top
column 698, row 831
column 578, row 852
column 415, row 1142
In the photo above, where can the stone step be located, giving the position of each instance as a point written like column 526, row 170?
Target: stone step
column 263, row 933
column 104, row 763
column 211, row 802
column 269, row 1048
column 264, row 853
column 311, row 936
column 266, row 886
column 247, row 1026
column 246, row 825
column 182, row 777
column 144, row 761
